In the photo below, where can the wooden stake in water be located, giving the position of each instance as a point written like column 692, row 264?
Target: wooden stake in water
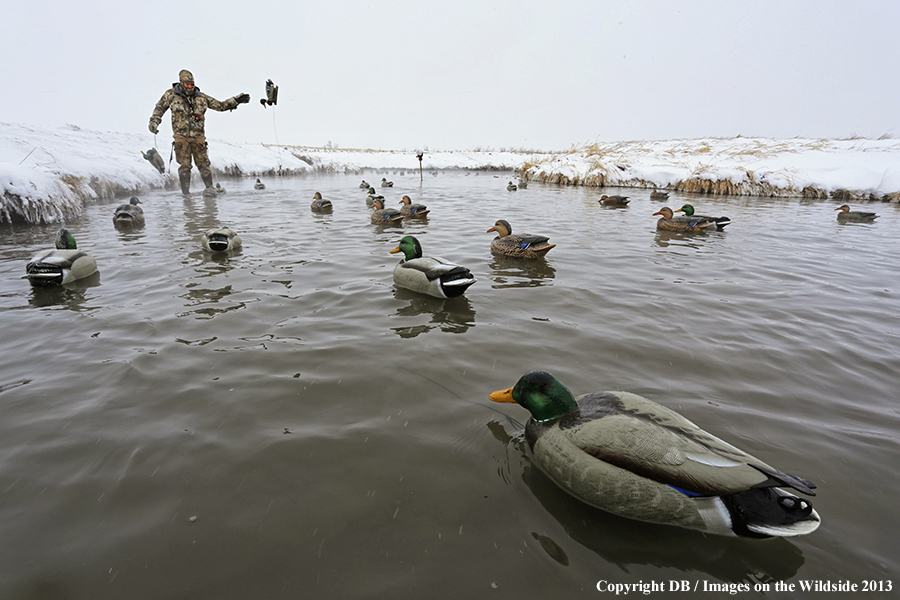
column 419, row 155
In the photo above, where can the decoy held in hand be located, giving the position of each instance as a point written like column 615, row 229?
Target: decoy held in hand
column 259, row 185
column 63, row 265
column 320, row 204
column 518, row 245
column 614, row 200
column 720, row 222
column 220, row 239
column 411, row 210
column 429, row 275
column 854, row 216
column 635, row 458
column 129, row 215
column 382, row 215
column 682, row 224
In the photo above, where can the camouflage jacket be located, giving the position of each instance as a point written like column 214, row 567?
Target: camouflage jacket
column 188, row 112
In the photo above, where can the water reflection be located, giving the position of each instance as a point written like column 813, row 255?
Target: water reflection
column 454, row 315
column 71, row 295
column 518, row 273
column 203, row 297
column 626, row 542
column 664, row 238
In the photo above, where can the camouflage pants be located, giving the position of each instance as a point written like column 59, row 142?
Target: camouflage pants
column 192, row 147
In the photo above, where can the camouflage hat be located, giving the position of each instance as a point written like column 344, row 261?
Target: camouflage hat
column 185, row 75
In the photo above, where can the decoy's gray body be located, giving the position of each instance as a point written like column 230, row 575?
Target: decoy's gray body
column 854, row 216
column 155, row 159
column 130, row 214
column 63, row 265
column 319, row 204
column 429, row 275
column 222, row 239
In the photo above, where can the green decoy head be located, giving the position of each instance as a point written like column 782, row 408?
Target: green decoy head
column 372, row 191
column 687, row 209
column 409, row 246
column 65, row 240
column 541, row 393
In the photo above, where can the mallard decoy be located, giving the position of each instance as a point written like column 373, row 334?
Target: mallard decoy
column 222, row 239
column 364, row 185
column 523, row 184
column 429, row 275
column 632, row 457
column 683, row 224
column 511, row 186
column 219, row 188
column 319, row 204
column 614, row 200
column 259, row 185
column 659, row 196
column 411, row 210
column 382, row 215
column 854, row 216
column 520, row 245
column 386, row 183
column 129, row 215
column 155, row 159
column 63, row 265
column 688, row 210
column 373, row 196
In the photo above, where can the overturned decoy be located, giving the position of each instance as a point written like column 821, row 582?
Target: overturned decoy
column 130, row 214
column 668, row 222
column 688, row 210
column 63, row 265
column 271, row 98
column 386, row 183
column 382, row 215
column 614, row 200
column 259, row 185
column 630, row 456
column 518, row 245
column 411, row 210
column 429, row 275
column 854, row 216
column 319, row 204
column 221, row 239
column 155, row 159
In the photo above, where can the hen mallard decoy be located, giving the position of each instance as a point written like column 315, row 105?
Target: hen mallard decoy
column 520, row 245
column 219, row 188
column 372, row 196
column 259, row 185
column 130, row 214
column 63, row 265
column 632, row 457
column 523, row 184
column 511, row 186
column 364, row 185
column 221, row 239
column 429, row 275
column 319, row 204
column 386, row 183
column 720, row 222
column 411, row 210
column 614, row 200
column 854, row 216
column 659, row 196
column 669, row 222
column 382, row 215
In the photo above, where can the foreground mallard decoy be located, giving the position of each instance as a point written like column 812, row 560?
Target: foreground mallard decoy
column 382, row 215
column 614, row 200
column 386, row 183
column 65, row 264
column 320, row 204
column 130, row 214
column 720, row 222
column 659, row 196
column 520, row 245
column 364, row 185
column 635, row 458
column 684, row 224
column 221, row 239
column 429, row 275
column 372, row 197
column 854, row 216
column 411, row 210
column 511, row 186
column 259, row 185
column 219, row 188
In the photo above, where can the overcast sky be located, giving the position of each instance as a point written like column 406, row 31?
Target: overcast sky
column 463, row 74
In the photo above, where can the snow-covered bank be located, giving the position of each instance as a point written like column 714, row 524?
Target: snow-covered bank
column 47, row 174
column 850, row 169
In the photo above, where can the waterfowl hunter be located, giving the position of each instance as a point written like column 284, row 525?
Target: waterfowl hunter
column 63, row 265
column 410, row 210
column 520, row 245
column 382, row 215
column 429, row 275
column 319, row 204
column 683, row 224
column 222, row 239
column 130, row 214
column 854, row 216
column 688, row 210
column 632, row 457
column 614, row 200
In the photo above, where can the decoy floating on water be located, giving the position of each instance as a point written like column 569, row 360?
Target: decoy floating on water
column 63, row 265
column 511, row 186
column 259, row 185
column 854, row 216
column 411, row 210
column 319, row 204
column 382, row 215
column 386, row 183
column 523, row 184
column 614, row 200
column 688, row 210
column 659, row 196
column 219, row 188
column 130, row 214
column 518, row 245
column 364, row 185
column 684, row 224
column 429, row 275
column 635, row 458
column 221, row 239
column 372, row 196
